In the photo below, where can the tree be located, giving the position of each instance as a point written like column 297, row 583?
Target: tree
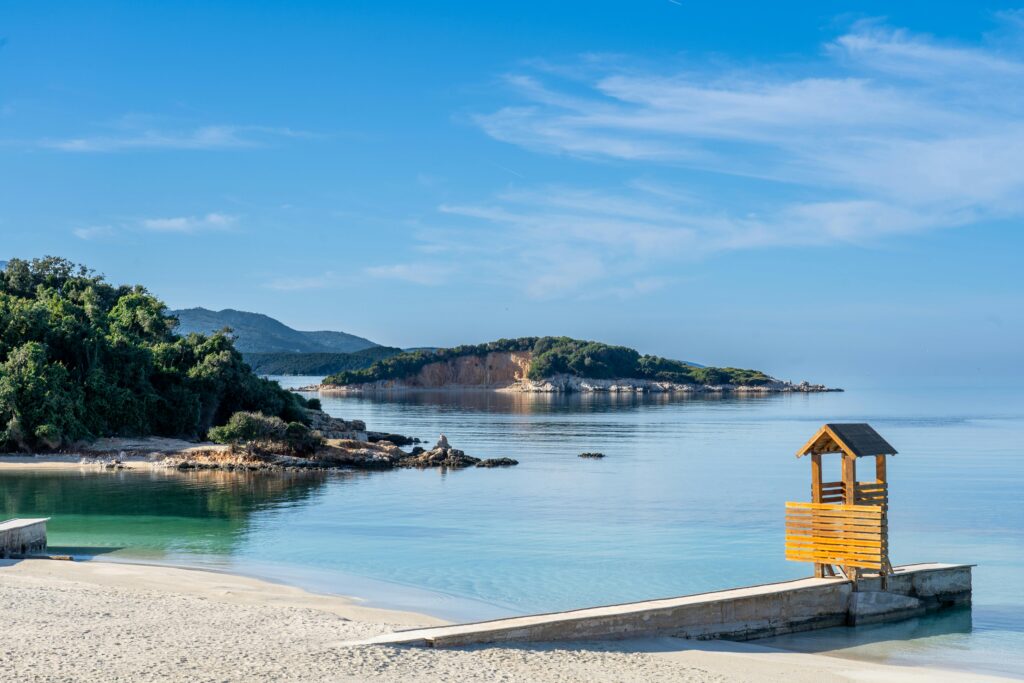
column 82, row 358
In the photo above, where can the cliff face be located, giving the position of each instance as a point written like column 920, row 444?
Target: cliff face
column 495, row 370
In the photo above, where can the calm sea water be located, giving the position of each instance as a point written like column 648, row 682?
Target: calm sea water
column 689, row 499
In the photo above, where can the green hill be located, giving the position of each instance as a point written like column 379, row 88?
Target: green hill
column 258, row 333
column 317, row 363
column 550, row 356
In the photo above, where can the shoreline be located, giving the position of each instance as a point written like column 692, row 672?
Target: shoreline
column 521, row 389
column 152, row 622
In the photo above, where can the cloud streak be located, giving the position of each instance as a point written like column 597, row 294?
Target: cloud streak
column 190, row 224
column 887, row 133
column 212, row 137
column 93, row 232
column 422, row 274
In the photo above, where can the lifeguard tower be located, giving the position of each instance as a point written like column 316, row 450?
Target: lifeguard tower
column 845, row 525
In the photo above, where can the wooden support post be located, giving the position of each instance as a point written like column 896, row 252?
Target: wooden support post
column 880, row 476
column 849, row 479
column 850, row 497
column 819, row 568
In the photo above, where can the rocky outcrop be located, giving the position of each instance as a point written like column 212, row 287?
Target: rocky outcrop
column 335, row 427
column 571, row 384
column 443, row 455
column 333, row 454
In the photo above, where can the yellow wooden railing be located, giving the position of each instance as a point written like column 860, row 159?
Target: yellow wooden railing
column 870, row 493
column 837, row 534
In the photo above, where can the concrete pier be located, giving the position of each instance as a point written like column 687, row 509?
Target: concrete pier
column 737, row 614
column 23, row 536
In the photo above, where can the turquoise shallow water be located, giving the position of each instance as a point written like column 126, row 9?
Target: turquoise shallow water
column 688, row 499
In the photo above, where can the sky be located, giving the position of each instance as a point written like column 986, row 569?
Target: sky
column 825, row 191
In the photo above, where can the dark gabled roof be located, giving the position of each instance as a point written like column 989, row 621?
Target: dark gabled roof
column 859, row 439
column 862, row 439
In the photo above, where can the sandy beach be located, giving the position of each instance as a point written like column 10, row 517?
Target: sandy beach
column 102, row 621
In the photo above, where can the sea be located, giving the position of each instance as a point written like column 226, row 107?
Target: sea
column 688, row 498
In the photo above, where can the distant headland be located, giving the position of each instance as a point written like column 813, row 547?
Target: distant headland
column 553, row 365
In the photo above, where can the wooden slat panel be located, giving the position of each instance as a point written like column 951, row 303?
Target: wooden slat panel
column 828, row 533
column 838, row 553
column 830, row 508
column 837, row 521
column 834, row 540
column 839, row 534
column 835, row 549
column 832, row 529
column 868, row 515
column 830, row 559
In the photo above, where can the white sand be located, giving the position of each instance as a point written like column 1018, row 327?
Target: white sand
column 70, row 462
column 97, row 621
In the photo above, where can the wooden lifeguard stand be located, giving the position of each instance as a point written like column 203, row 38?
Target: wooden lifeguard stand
column 846, row 523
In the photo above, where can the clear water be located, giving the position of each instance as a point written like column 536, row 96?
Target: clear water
column 688, row 499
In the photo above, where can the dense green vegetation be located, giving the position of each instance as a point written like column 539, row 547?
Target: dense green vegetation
column 81, row 358
column 555, row 355
column 317, row 363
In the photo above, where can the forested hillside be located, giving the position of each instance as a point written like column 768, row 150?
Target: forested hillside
column 82, row 358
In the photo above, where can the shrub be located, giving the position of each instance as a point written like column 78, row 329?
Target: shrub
column 245, row 427
column 267, row 432
column 314, row 404
column 302, row 440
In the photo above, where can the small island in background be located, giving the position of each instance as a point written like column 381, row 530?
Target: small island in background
column 552, row 365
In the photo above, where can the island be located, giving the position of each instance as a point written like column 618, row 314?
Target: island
column 553, row 365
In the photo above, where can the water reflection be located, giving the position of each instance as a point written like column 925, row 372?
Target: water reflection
column 538, row 403
column 198, row 511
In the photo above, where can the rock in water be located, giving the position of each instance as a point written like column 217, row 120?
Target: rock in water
column 397, row 439
column 592, row 455
column 497, row 462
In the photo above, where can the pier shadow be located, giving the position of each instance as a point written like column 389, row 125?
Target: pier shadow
column 825, row 641
column 952, row 621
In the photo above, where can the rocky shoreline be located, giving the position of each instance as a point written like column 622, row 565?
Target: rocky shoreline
column 346, row 445
column 572, row 384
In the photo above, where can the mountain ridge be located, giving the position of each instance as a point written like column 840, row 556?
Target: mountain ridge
column 259, row 333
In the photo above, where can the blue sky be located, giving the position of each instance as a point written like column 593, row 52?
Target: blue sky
column 830, row 191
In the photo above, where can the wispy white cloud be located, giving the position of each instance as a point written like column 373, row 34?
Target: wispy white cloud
column 190, row 224
column 131, row 136
column 889, row 132
column 420, row 274
column 884, row 133
column 94, row 232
